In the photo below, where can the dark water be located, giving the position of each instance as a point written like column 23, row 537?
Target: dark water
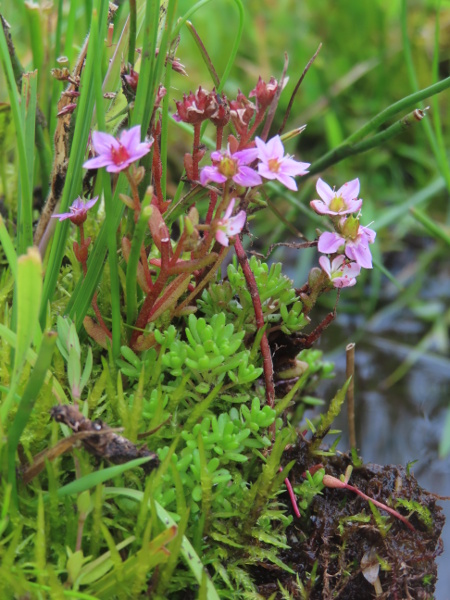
column 402, row 422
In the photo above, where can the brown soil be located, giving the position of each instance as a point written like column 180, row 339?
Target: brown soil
column 330, row 535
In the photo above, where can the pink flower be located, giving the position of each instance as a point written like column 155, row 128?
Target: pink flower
column 341, row 272
column 228, row 225
column 232, row 166
column 275, row 165
column 353, row 239
column 78, row 211
column 342, row 202
column 117, row 154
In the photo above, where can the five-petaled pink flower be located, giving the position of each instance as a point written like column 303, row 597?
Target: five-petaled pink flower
column 117, row 154
column 78, row 211
column 232, row 166
column 228, row 225
column 342, row 202
column 353, row 237
column 276, row 165
column 340, row 271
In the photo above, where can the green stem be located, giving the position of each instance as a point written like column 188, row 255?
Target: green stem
column 342, row 151
column 106, row 186
column 345, row 150
column 400, row 105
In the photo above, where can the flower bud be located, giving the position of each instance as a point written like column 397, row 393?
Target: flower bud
column 264, row 93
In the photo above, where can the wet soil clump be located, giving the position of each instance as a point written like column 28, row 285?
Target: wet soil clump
column 340, row 530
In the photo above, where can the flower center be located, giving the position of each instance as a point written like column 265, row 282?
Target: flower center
column 337, row 204
column 274, row 165
column 350, row 228
column 119, row 155
column 228, row 167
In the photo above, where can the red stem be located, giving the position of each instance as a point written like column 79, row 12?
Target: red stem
column 94, row 298
column 146, row 309
column 195, row 152
column 144, row 261
column 245, row 138
column 292, row 497
column 257, row 307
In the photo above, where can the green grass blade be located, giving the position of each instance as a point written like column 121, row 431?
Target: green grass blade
column 34, row 25
column 11, row 339
column 190, row 556
column 106, row 186
column 133, row 260
column 26, row 191
column 8, row 247
column 433, row 228
column 74, row 172
column 27, row 402
column 92, row 479
column 29, row 290
column 25, row 207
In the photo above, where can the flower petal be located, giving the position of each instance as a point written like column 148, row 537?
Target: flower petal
column 102, row 142
column 350, row 190
column 221, row 237
column 97, row 162
column 131, row 138
column 324, row 262
column 247, row 177
column 235, row 224
column 287, row 181
column 329, row 242
column 319, row 207
column 229, row 210
column 246, row 156
column 293, row 167
column 359, row 253
column 208, row 174
column 324, row 191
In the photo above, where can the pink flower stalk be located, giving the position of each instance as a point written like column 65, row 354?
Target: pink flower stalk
column 78, row 211
column 232, row 166
column 276, row 165
column 342, row 202
column 228, row 226
column 333, row 482
column 353, row 239
column 340, row 272
column 117, row 154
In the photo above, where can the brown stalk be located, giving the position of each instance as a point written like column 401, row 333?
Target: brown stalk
column 299, row 83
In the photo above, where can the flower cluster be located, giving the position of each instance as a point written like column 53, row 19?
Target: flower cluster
column 349, row 242
column 247, row 163
column 272, row 163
